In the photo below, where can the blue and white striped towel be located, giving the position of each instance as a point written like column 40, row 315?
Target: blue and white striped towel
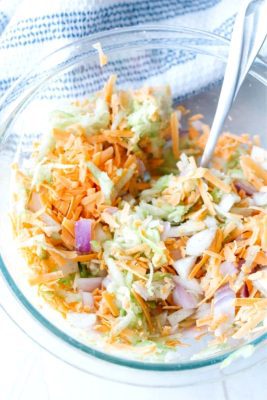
column 31, row 29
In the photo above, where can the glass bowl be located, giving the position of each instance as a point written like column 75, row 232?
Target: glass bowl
column 192, row 63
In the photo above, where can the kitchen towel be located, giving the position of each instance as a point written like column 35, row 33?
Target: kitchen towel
column 31, row 29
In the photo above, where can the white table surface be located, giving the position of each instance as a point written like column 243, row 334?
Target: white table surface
column 28, row 372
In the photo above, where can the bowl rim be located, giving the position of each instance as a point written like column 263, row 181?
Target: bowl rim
column 12, row 286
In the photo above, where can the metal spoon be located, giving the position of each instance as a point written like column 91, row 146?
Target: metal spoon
column 249, row 33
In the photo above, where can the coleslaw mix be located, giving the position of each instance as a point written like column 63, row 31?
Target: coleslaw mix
column 121, row 229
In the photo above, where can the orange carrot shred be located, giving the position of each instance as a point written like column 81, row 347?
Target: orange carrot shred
column 175, row 134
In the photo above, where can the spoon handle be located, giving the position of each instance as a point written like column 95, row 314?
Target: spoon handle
column 255, row 35
column 245, row 45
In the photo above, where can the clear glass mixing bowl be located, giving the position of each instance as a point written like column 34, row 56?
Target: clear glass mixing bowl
column 183, row 58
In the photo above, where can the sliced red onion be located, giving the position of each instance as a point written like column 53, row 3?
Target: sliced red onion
column 203, row 310
column 83, row 233
column 182, row 298
column 191, row 285
column 87, row 299
column 184, row 266
column 170, row 231
column 224, row 303
column 244, row 291
column 179, row 316
column 88, row 284
column 200, row 242
column 111, row 210
column 221, row 292
column 228, row 268
column 166, row 228
column 245, row 186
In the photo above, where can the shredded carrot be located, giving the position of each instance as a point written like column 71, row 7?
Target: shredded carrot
column 198, row 266
column 102, row 57
column 261, row 258
column 52, row 276
column 175, row 134
column 77, row 213
column 110, row 301
column 67, row 238
column 249, row 325
column 217, row 182
column 119, row 133
column 60, row 134
column 59, row 260
column 109, row 88
column 253, row 172
column 248, row 301
column 206, row 197
column 85, row 257
column 144, row 308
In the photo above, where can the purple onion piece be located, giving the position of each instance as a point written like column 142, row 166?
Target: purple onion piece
column 245, row 186
column 244, row 291
column 224, row 302
column 83, row 233
column 89, row 284
column 183, row 298
column 228, row 268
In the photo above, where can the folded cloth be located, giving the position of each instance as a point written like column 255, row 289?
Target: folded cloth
column 31, row 29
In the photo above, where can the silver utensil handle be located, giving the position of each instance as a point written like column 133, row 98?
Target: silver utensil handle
column 250, row 30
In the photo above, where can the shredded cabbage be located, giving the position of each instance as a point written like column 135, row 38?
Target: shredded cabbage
column 103, row 179
column 162, row 211
column 149, row 115
column 91, row 118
